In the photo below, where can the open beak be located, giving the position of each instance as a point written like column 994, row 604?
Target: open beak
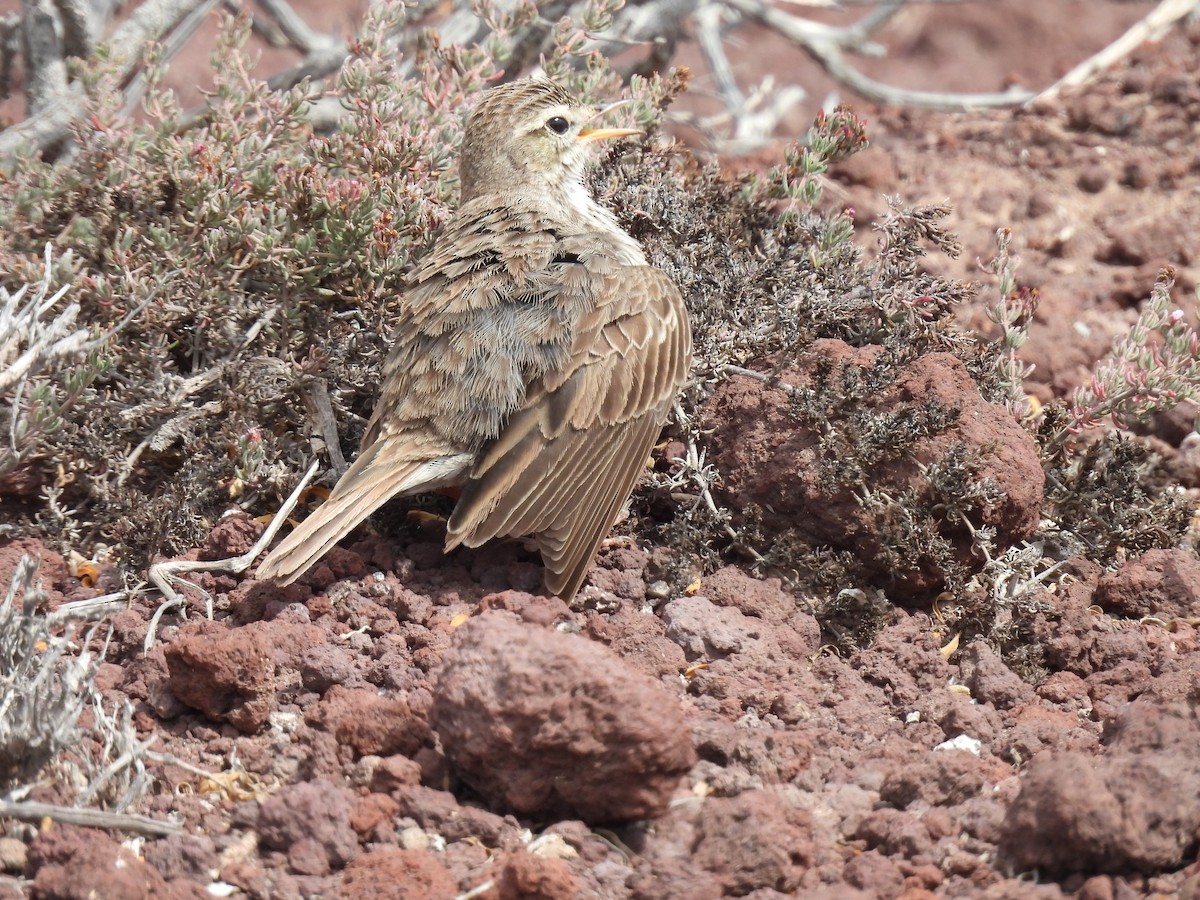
column 601, row 134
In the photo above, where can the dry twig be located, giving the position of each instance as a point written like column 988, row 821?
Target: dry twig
column 1153, row 27
column 166, row 575
column 52, row 30
column 31, row 811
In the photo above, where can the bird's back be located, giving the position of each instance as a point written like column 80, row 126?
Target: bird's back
column 494, row 307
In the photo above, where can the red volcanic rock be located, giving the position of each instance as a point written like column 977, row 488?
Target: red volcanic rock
column 311, row 823
column 1162, row 583
column 770, row 459
column 228, row 674
column 544, row 722
column 753, row 841
column 1135, row 808
column 391, row 874
column 524, row 876
column 370, row 724
column 70, row 862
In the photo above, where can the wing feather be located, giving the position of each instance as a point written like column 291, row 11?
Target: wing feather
column 564, row 463
column 569, row 558
column 386, row 469
column 537, row 498
column 532, row 366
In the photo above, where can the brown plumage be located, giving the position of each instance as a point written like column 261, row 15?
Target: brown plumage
column 536, row 358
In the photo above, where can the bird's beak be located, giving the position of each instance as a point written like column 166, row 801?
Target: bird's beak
column 601, row 134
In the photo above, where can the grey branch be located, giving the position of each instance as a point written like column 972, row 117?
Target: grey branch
column 151, row 21
column 42, row 45
column 58, row 104
column 79, row 26
column 179, row 36
column 29, row 811
column 315, row 393
column 1153, row 27
column 53, row 29
column 826, row 44
column 296, row 30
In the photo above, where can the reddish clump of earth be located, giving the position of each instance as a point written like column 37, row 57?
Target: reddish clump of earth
column 408, row 725
column 768, row 459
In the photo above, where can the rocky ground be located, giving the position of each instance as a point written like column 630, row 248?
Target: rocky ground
column 400, row 724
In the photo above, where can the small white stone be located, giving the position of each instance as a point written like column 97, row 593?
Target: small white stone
column 13, row 854
column 962, row 742
column 414, row 838
column 552, row 846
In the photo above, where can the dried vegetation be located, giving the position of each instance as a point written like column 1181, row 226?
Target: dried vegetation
column 232, row 274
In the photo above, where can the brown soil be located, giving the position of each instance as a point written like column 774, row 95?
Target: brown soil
column 412, row 725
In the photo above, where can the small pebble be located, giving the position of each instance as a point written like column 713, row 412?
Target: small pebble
column 13, row 854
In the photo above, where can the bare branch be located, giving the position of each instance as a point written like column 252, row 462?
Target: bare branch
column 753, row 123
column 30, row 811
column 151, row 21
column 1151, row 28
column 318, row 64
column 834, row 63
column 136, row 81
column 825, row 44
column 315, row 393
column 89, row 610
column 653, row 23
column 323, row 53
column 165, row 575
column 79, row 27
column 296, row 30
column 42, row 44
column 41, row 130
column 712, row 45
column 50, row 123
column 10, row 47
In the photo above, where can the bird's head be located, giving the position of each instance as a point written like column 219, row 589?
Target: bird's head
column 529, row 136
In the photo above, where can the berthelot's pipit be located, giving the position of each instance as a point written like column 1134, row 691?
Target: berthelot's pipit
column 536, row 358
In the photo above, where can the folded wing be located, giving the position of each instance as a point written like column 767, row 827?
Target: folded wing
column 566, row 461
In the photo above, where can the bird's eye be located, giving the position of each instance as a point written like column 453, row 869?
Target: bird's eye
column 558, row 124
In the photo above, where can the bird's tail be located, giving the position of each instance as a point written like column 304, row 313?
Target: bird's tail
column 383, row 471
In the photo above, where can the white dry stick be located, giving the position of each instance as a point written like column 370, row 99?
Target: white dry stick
column 1153, row 27
column 478, row 891
column 304, row 38
column 21, row 324
column 31, row 811
column 89, row 610
column 712, row 45
column 695, row 466
column 826, row 43
column 164, row 575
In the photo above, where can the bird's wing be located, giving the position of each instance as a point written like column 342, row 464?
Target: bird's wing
column 569, row 457
column 454, row 373
column 388, row 468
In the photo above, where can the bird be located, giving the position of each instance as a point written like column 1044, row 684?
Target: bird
column 535, row 358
